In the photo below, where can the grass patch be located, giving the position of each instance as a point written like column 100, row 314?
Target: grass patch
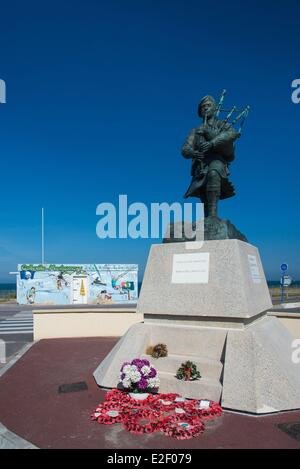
column 288, row 292
column 7, row 295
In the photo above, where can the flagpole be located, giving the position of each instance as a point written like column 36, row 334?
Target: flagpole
column 43, row 246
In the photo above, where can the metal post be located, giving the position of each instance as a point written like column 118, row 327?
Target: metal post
column 282, row 287
column 43, row 248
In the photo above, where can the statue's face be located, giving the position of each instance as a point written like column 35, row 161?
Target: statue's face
column 208, row 109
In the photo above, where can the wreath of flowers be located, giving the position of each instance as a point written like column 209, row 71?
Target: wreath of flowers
column 123, row 399
column 193, row 407
column 117, row 397
column 139, row 376
column 133, row 422
column 184, row 420
column 136, row 403
column 108, row 414
column 119, row 404
column 188, row 372
column 182, row 427
column 165, row 402
column 209, row 413
column 168, row 396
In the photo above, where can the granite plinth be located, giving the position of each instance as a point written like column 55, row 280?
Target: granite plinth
column 219, row 322
column 259, row 373
column 249, row 370
column 235, row 286
column 201, row 345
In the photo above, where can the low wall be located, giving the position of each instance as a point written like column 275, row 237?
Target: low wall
column 112, row 322
column 60, row 323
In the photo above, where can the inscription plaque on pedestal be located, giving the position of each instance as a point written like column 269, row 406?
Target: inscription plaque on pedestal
column 190, row 268
column 254, row 269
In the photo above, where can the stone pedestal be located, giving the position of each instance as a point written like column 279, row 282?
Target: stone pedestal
column 234, row 285
column 208, row 304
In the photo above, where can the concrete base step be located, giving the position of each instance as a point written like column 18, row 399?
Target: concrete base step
column 203, row 346
column 189, row 340
column 209, row 368
column 203, row 388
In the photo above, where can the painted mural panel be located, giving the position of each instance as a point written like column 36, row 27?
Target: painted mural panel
column 61, row 284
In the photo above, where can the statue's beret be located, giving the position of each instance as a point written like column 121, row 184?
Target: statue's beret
column 205, row 99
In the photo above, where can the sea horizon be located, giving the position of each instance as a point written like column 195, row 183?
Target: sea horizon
column 10, row 286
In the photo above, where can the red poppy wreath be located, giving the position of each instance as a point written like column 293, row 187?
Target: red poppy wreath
column 143, row 421
column 182, row 427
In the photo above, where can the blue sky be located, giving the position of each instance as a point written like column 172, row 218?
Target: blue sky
column 100, row 97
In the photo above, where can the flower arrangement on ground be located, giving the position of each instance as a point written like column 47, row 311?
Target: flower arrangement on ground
column 171, row 414
column 157, row 351
column 188, row 372
column 139, row 376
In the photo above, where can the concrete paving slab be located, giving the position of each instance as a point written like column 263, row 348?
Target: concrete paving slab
column 9, row 440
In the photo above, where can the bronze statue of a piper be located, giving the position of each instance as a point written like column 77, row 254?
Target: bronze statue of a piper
column 211, row 147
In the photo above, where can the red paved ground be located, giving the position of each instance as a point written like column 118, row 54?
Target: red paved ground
column 31, row 406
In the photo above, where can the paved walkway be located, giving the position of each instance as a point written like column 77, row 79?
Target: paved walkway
column 9, row 440
column 15, row 331
column 31, row 406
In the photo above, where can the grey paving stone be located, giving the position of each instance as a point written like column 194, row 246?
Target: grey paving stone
column 9, row 440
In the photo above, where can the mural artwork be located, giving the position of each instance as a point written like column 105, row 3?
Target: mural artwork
column 59, row 284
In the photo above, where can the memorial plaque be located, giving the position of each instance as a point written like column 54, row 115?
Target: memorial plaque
column 254, row 269
column 72, row 387
column 190, row 268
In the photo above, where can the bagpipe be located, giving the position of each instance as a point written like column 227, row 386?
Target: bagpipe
column 242, row 114
column 202, row 133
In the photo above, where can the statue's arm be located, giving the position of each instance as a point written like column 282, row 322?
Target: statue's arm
column 225, row 137
column 188, row 148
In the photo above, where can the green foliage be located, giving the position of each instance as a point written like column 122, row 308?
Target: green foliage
column 7, row 295
column 188, row 372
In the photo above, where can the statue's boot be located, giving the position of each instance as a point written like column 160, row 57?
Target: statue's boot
column 213, row 190
column 212, row 203
column 204, row 201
